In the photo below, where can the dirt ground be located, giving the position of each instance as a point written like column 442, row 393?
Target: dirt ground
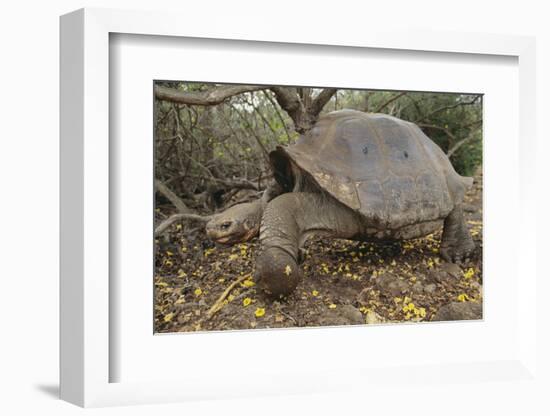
column 344, row 283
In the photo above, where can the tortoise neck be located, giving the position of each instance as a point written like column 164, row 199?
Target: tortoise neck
column 290, row 219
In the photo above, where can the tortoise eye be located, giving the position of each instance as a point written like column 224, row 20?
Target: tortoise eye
column 225, row 225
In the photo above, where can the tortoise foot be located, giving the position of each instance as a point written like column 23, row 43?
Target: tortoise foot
column 459, row 251
column 277, row 273
column 456, row 243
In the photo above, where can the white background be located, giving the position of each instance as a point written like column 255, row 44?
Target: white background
column 137, row 60
column 29, row 209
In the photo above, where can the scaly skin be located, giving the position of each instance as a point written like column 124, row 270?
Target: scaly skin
column 241, row 222
column 288, row 221
column 456, row 243
column 237, row 224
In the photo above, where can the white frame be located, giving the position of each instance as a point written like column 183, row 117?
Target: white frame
column 85, row 189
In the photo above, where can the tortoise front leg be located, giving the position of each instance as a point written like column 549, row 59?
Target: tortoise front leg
column 288, row 221
column 456, row 242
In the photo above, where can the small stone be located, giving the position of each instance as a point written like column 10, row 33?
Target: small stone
column 373, row 318
column 451, row 269
column 333, row 319
column 364, row 296
column 459, row 311
column 430, row 288
column 417, row 288
column 391, row 284
column 342, row 315
column 353, row 315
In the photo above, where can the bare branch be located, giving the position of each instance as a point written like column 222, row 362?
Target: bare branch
column 459, row 144
column 172, row 197
column 302, row 110
column 276, row 108
column 443, row 129
column 163, row 226
column 321, row 100
column 388, row 102
column 287, row 98
column 219, row 303
column 252, row 132
column 447, row 107
column 235, row 183
column 211, row 97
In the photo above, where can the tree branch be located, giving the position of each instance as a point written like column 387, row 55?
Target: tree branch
column 287, row 98
column 172, row 197
column 459, row 144
column 443, row 129
column 303, row 112
column 163, row 226
column 211, row 97
column 447, row 107
column 276, row 108
column 321, row 100
column 388, row 102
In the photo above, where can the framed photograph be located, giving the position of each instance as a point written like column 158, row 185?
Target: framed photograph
column 308, row 207
column 315, row 206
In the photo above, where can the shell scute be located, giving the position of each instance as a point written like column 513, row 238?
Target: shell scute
column 385, row 168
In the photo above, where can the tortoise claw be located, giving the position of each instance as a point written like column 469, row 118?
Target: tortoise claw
column 457, row 254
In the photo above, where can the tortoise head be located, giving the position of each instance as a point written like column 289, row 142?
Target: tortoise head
column 236, row 224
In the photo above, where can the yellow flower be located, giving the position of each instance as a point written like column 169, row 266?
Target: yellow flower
column 248, row 283
column 181, row 273
column 315, row 293
column 422, row 312
column 168, row 317
column 463, row 297
column 468, row 274
column 209, row 251
column 332, row 306
column 233, row 257
column 246, row 301
column 288, row 270
column 409, row 307
column 259, row 312
column 198, row 291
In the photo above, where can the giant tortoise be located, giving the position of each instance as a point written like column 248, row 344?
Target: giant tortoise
column 354, row 175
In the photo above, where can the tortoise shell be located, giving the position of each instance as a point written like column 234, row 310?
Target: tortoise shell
column 385, row 168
